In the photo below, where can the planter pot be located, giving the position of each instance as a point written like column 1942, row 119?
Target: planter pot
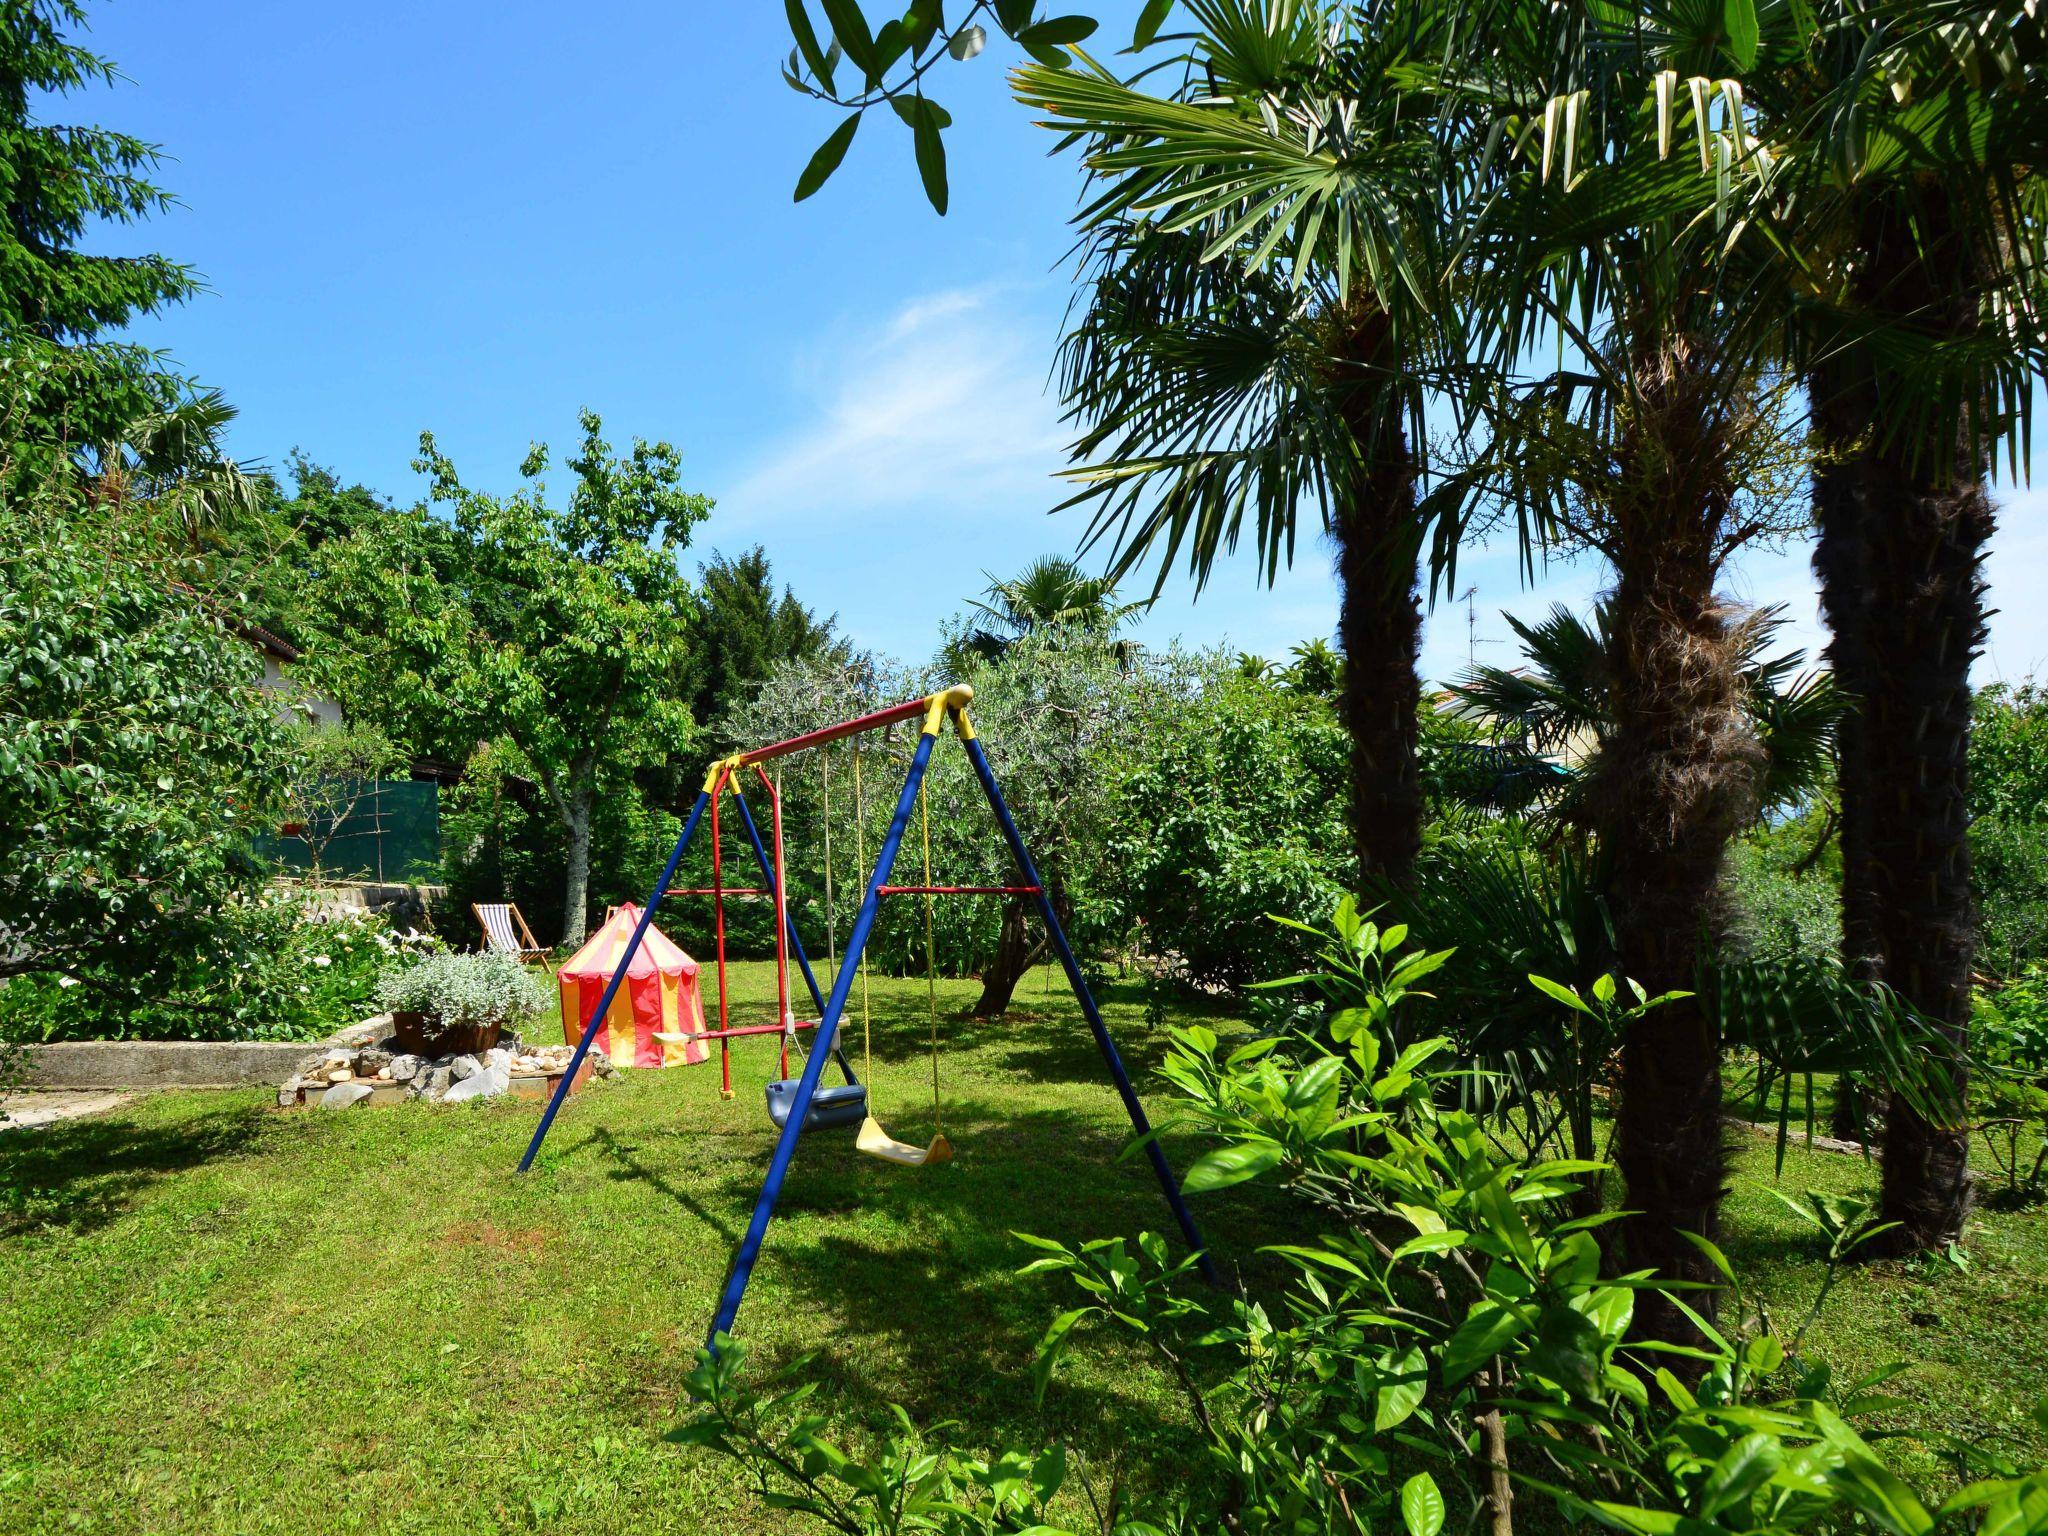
column 422, row 1034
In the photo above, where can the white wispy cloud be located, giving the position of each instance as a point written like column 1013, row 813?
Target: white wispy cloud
column 927, row 440
column 942, row 406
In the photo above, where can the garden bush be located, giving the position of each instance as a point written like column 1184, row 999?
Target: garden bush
column 264, row 967
column 462, row 991
column 1778, row 910
column 1449, row 1343
column 2009, row 1038
column 1230, row 801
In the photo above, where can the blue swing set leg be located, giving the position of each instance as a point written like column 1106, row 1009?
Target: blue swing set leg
column 830, row 1009
column 618, row 980
column 1104, row 1042
column 828, row 1036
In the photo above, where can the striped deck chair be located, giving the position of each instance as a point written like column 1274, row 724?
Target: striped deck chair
column 505, row 930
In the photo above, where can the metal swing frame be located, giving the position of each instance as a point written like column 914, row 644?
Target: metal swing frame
column 935, row 710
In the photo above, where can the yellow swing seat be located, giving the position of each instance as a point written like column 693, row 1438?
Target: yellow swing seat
column 873, row 1138
column 877, row 1142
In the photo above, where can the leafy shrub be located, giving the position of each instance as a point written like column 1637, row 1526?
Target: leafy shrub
column 2009, row 869
column 465, row 990
column 267, row 967
column 137, row 755
column 1448, row 1345
column 1776, row 909
column 1230, row 804
column 2009, row 1037
column 2009, row 825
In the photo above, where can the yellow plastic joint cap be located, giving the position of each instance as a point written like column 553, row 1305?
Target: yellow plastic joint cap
column 719, row 767
column 955, row 698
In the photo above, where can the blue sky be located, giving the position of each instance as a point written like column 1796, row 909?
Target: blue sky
column 477, row 218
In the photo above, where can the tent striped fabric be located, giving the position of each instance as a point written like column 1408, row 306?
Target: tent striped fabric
column 659, row 998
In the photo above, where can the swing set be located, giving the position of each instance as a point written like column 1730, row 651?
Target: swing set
column 802, row 1104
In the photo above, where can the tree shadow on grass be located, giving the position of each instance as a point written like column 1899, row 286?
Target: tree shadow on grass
column 1050, row 1042
column 625, row 1162
column 78, row 1175
column 923, row 1261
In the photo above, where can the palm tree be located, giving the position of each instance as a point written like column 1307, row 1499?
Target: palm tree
column 1928, row 131
column 1281, row 255
column 1051, row 593
column 1662, row 445
column 1236, row 369
column 172, row 460
column 1561, row 704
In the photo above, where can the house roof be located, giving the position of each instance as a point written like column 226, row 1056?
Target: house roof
column 265, row 640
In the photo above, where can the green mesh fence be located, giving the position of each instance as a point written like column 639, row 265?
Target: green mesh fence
column 394, row 833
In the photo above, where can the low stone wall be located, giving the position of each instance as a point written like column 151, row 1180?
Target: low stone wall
column 164, row 1063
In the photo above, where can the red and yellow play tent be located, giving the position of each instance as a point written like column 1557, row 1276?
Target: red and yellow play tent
column 659, row 997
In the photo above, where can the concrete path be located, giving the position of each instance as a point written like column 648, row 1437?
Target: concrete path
column 30, row 1109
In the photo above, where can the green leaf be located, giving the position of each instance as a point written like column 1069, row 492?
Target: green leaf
column 1743, row 1468
column 1559, row 993
column 1430, row 1242
column 1397, row 1400
column 807, row 41
column 908, row 108
column 1738, row 21
column 850, row 31
column 1056, row 30
column 826, row 160
column 1051, row 1347
column 1231, row 1165
column 1422, row 1506
column 1489, row 1329
column 1150, row 20
column 1568, row 1350
column 931, row 155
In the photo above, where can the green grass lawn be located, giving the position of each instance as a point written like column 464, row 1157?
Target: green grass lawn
column 223, row 1318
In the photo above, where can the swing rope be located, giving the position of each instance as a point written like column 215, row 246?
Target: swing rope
column 860, row 862
column 931, row 971
column 873, row 1138
column 831, row 922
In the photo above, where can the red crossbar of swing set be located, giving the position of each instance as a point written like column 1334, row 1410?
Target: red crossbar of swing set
column 910, row 709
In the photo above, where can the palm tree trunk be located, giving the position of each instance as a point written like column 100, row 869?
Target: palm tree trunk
column 1903, row 526
column 1676, row 785
column 1678, row 790
column 1380, row 614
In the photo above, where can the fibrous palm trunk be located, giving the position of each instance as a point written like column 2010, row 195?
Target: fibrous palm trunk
column 1676, row 783
column 1903, row 525
column 1380, row 614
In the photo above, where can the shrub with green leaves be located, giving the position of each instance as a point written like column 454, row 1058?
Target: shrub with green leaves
column 2009, row 1038
column 1447, row 1345
column 137, row 757
column 1230, row 803
column 465, row 990
column 1778, row 909
column 264, row 967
